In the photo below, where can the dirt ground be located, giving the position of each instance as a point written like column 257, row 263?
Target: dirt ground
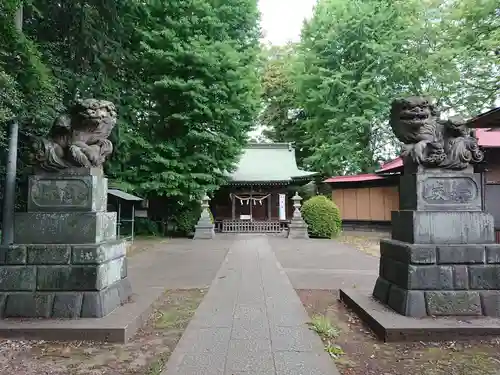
column 365, row 355
column 144, row 243
column 367, row 242
column 145, row 354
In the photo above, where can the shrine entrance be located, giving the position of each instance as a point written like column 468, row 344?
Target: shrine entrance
column 251, row 206
column 256, row 198
column 251, row 213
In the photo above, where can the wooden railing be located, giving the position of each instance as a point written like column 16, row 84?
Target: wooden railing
column 251, row 226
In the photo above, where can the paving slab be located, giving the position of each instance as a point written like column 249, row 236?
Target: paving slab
column 325, row 264
column 266, row 329
column 390, row 326
column 172, row 264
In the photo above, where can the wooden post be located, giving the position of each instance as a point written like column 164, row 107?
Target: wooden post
column 251, row 203
column 269, row 199
column 233, row 207
column 133, row 219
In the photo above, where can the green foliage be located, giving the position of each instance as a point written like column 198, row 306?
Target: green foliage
column 308, row 190
column 322, row 217
column 278, row 92
column 184, row 76
column 146, row 227
column 323, row 327
column 185, row 221
column 28, row 93
column 201, row 79
column 356, row 56
column 280, row 114
column 188, row 216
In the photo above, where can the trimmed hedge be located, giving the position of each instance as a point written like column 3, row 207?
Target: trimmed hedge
column 322, row 217
column 188, row 217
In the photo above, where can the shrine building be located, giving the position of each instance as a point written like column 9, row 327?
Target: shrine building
column 257, row 198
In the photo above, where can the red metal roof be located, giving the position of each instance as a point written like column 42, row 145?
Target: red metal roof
column 355, row 178
column 488, row 138
column 391, row 165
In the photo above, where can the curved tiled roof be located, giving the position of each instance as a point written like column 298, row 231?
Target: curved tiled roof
column 268, row 162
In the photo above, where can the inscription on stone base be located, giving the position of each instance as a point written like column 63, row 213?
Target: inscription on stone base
column 437, row 190
column 458, row 190
column 60, row 193
column 70, row 193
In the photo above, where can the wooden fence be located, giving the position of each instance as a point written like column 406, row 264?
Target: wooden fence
column 251, row 226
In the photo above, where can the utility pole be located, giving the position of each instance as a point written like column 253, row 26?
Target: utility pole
column 9, row 196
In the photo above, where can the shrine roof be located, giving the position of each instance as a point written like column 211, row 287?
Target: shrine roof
column 125, row 196
column 269, row 162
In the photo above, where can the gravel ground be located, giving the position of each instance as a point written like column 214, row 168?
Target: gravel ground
column 367, row 242
column 145, row 354
column 366, row 355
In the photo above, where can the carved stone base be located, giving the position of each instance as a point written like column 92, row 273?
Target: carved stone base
column 439, row 279
column 65, row 305
column 63, row 281
column 452, row 227
column 440, row 190
column 64, row 227
column 298, row 229
column 66, row 261
column 204, row 231
column 67, row 193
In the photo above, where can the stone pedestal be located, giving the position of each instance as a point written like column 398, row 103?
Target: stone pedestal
column 66, row 261
column 442, row 259
column 204, row 229
column 297, row 226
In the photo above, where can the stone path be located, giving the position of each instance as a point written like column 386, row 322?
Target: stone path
column 177, row 264
column 251, row 322
column 325, row 264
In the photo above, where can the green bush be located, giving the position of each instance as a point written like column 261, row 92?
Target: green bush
column 146, row 227
column 322, row 217
column 188, row 217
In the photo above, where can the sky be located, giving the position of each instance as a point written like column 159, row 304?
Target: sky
column 281, row 20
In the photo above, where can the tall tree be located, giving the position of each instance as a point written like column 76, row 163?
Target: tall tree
column 278, row 96
column 184, row 76
column 471, row 28
column 27, row 86
column 199, row 64
column 357, row 55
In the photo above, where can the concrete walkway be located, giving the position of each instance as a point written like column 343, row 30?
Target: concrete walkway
column 325, row 264
column 251, row 322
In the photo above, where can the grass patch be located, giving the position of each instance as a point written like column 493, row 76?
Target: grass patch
column 328, row 332
column 356, row 351
column 323, row 327
column 158, row 365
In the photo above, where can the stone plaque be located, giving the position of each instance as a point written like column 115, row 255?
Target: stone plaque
column 60, row 193
column 69, row 193
column 460, row 190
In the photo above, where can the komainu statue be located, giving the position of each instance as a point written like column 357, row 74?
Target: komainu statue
column 78, row 138
column 429, row 141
